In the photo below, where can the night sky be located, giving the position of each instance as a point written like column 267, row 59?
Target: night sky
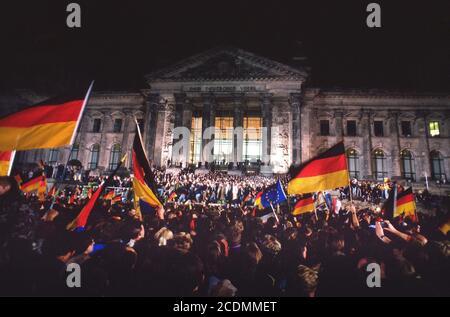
column 121, row 41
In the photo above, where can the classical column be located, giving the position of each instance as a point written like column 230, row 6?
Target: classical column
column 339, row 120
column 128, row 126
column 104, row 150
column 182, row 119
column 266, row 113
column 366, row 168
column 396, row 146
column 238, row 126
column 151, row 116
column 208, row 120
column 295, row 101
column 187, row 123
column 424, row 143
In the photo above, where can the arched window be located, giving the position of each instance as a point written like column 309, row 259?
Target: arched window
column 437, row 166
column 379, row 164
column 95, row 151
column 353, row 163
column 74, row 152
column 408, row 170
column 53, row 156
column 115, row 156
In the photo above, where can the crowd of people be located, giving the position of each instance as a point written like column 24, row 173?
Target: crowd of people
column 211, row 241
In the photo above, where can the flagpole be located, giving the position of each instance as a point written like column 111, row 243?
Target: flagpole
column 75, row 132
column 315, row 209
column 11, row 162
column 350, row 188
column 80, row 115
column 274, row 213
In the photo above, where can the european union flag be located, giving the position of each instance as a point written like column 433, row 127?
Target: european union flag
column 273, row 194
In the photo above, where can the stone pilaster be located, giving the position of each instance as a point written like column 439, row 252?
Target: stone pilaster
column 296, row 135
column 266, row 113
column 238, row 123
column 366, row 167
column 208, row 120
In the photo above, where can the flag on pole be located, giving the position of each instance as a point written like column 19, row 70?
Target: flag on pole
column 116, row 199
column 18, row 179
column 172, row 196
column 49, row 124
column 144, row 180
column 6, row 161
column 273, row 195
column 303, row 205
column 400, row 204
column 109, row 195
column 327, row 171
column 81, row 220
column 33, row 184
column 258, row 200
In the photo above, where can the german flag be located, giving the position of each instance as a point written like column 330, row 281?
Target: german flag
column 49, row 124
column 81, row 220
column 109, row 195
column 6, row 158
column 116, row 199
column 327, row 171
column 18, row 179
column 405, row 204
column 143, row 180
column 33, row 184
column 172, row 196
column 305, row 204
column 258, row 200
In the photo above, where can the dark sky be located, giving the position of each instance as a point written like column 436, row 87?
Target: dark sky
column 121, row 41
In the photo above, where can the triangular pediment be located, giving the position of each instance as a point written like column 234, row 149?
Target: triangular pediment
column 223, row 64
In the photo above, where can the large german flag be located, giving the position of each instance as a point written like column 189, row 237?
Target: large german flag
column 327, row 171
column 305, row 204
column 6, row 158
column 144, row 186
column 49, row 124
column 405, row 204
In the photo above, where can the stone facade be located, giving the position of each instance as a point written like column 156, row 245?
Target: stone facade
column 236, row 83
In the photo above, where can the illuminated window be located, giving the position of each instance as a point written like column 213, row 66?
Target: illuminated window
column 196, row 140
column 437, row 166
column 434, row 128
column 74, row 152
column 53, row 156
column 252, row 149
column 95, row 151
column 115, row 156
column 353, row 163
column 379, row 164
column 223, row 139
column 407, row 165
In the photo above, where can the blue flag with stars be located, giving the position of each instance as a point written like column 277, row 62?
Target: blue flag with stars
column 273, row 194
